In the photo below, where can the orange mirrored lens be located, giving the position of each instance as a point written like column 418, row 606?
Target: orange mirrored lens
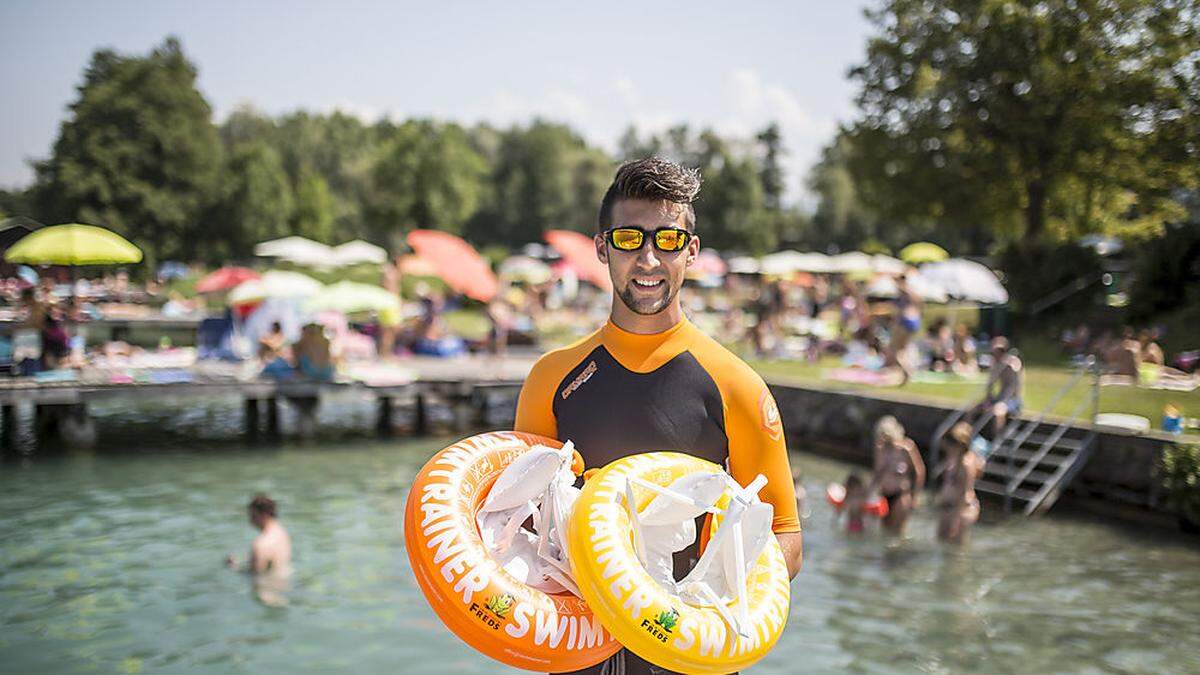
column 670, row 240
column 627, row 239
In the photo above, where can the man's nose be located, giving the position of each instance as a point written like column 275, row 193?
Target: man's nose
column 647, row 257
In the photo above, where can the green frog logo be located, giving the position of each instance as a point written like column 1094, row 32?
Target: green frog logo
column 499, row 605
column 667, row 620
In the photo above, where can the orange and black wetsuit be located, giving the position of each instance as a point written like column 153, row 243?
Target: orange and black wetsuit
column 616, row 393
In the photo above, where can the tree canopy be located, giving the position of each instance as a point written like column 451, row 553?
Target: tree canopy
column 1027, row 118
column 138, row 153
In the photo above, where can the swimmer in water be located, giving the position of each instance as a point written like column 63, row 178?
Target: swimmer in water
column 855, row 503
column 270, row 558
column 271, row 550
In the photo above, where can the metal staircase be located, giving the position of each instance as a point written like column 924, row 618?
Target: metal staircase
column 1033, row 460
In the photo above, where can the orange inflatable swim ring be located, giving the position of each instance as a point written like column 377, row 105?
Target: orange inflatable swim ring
column 498, row 587
column 835, row 494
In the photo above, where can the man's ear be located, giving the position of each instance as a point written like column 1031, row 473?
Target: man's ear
column 693, row 249
column 601, row 249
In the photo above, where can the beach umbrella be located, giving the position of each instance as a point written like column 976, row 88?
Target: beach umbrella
column 707, row 265
column 275, row 284
column 923, row 252
column 358, row 252
column 743, row 264
column 416, row 266
column 225, row 278
column 579, row 251
column 299, row 250
column 787, row 262
column 14, row 229
column 349, row 297
column 457, row 263
column 526, row 269
column 853, row 262
column 886, row 264
column 1103, row 245
column 965, row 280
column 27, row 274
column 73, row 244
column 885, row 286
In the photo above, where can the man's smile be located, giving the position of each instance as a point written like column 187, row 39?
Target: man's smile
column 648, row 283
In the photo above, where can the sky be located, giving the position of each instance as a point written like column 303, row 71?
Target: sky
column 599, row 68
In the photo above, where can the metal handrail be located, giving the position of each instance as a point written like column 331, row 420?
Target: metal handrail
column 1044, row 449
column 1048, row 444
column 1031, row 425
column 935, row 443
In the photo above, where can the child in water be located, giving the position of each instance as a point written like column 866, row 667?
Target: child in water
column 855, row 502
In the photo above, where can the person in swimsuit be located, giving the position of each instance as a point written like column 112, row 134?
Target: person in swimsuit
column 958, row 507
column 899, row 473
column 649, row 380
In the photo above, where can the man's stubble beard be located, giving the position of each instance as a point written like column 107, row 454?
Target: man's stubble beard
column 649, row 306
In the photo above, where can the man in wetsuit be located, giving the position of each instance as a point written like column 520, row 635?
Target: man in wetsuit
column 649, row 380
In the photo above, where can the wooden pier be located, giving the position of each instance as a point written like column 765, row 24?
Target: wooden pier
column 60, row 409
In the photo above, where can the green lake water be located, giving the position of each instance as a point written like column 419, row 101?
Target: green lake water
column 111, row 561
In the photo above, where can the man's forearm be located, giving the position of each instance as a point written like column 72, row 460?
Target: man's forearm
column 792, row 544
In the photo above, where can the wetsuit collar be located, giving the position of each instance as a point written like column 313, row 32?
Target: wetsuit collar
column 644, row 353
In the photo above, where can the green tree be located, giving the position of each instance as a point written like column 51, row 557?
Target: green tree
column 256, row 203
column 545, row 177
column 1018, row 117
column 429, row 176
column 138, row 152
column 771, row 172
column 314, row 214
column 840, row 217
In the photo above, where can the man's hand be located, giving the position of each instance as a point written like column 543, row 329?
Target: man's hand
column 792, row 544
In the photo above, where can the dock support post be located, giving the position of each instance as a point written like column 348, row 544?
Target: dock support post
column 383, row 424
column 306, row 415
column 251, row 407
column 273, row 418
column 8, row 427
column 462, row 413
column 45, row 421
column 76, row 427
column 421, row 421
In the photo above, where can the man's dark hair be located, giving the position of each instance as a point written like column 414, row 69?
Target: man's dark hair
column 262, row 505
column 652, row 178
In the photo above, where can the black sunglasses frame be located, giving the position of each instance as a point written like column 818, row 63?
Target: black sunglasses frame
column 651, row 235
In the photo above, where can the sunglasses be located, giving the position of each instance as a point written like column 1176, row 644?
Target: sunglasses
column 668, row 239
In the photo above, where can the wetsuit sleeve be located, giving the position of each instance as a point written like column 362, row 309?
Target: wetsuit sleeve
column 757, row 445
column 535, row 406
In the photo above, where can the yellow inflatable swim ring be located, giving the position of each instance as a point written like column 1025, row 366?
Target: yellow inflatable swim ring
column 717, row 619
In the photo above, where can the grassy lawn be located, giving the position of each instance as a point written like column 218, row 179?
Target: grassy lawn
column 1041, row 385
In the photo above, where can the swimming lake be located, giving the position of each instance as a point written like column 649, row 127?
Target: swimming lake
column 111, row 561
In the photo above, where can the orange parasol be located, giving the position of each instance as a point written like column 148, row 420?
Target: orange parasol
column 580, row 252
column 457, row 263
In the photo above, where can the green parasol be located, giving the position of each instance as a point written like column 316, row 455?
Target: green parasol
column 73, row 244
